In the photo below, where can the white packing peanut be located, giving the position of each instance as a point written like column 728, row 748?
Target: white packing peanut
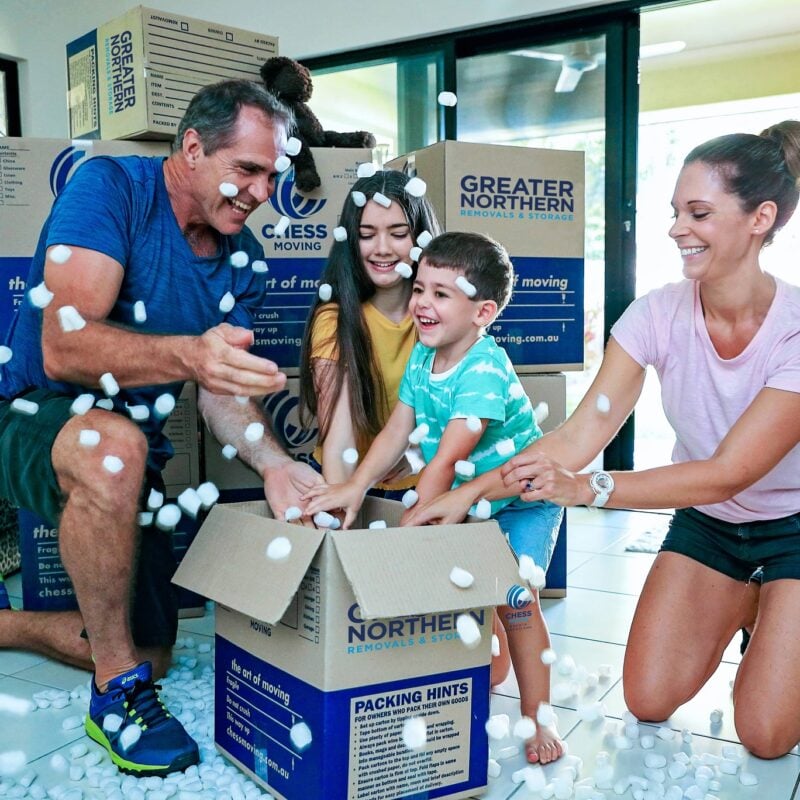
column 189, row 502
column 468, row 630
column 465, row 469
column 483, row 509
column 322, row 519
column 229, row 452
column 359, row 198
column 109, row 384
column 340, row 233
column 168, row 517
column 89, row 438
column 416, row 187
column 325, row 292
column 228, row 189
column 254, row 432
column 410, row 498
column 403, row 269
column 461, row 577
column 70, row 319
column 139, row 312
column 419, row 433
column 300, row 734
column 59, row 254
column 239, row 259
column 293, row 146
column 208, row 494
column 227, row 303
column 292, row 513
column 23, row 406
column 381, row 199
column 350, row 455
column 366, row 170
column 282, row 225
column 164, row 405
column 465, row 286
column 279, row 549
column 259, row 266
column 282, row 163
column 40, row 296
column 415, row 733
column 448, row 99
column 113, row 464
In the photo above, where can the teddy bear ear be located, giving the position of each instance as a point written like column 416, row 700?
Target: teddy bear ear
column 272, row 67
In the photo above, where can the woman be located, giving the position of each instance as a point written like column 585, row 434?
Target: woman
column 725, row 343
column 355, row 348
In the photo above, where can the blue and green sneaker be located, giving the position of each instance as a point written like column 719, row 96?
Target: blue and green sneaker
column 132, row 723
column 4, row 601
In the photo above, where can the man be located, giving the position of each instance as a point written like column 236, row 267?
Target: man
column 140, row 249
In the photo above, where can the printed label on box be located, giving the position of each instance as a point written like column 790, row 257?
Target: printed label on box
column 357, row 751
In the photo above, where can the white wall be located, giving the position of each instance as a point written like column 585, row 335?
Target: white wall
column 35, row 32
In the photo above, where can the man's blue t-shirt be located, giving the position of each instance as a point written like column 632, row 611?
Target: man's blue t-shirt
column 120, row 207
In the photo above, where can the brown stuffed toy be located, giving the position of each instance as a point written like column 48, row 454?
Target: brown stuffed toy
column 290, row 82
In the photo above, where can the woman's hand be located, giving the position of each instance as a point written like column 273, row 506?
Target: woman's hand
column 537, row 477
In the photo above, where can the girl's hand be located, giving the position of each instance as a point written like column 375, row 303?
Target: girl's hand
column 345, row 497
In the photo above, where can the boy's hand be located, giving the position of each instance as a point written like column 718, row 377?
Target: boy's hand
column 346, row 497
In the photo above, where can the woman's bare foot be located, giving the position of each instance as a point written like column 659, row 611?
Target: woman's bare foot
column 545, row 746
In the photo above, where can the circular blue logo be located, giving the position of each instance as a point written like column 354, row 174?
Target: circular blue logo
column 518, row 597
column 288, row 201
column 62, row 167
column 283, row 410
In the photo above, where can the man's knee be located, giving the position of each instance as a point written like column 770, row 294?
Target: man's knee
column 118, row 461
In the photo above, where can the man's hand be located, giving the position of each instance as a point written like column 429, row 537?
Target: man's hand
column 220, row 363
column 347, row 497
column 286, row 484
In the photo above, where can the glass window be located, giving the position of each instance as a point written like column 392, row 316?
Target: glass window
column 395, row 100
column 551, row 96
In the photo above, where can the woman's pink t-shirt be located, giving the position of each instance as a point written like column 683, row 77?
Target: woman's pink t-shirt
column 704, row 395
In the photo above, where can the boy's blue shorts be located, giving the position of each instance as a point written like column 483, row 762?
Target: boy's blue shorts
column 531, row 528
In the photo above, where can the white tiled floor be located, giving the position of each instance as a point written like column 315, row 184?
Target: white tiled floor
column 590, row 624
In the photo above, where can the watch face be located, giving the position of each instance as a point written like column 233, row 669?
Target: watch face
column 602, row 482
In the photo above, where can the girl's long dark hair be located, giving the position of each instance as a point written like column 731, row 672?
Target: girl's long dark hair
column 344, row 271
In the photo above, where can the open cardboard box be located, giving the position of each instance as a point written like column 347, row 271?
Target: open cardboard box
column 353, row 634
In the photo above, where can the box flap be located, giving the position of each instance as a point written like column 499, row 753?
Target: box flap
column 227, row 561
column 405, row 571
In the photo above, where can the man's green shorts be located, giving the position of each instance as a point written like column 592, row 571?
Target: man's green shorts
column 27, row 479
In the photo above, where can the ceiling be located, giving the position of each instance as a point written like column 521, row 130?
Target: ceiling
column 717, row 29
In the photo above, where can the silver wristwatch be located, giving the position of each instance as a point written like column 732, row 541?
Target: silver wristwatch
column 602, row 484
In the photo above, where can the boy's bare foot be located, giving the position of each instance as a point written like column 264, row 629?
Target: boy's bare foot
column 544, row 747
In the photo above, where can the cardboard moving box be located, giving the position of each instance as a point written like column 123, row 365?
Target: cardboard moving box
column 352, row 635
column 134, row 76
column 531, row 200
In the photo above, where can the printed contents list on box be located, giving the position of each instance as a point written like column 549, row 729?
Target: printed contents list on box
column 382, row 766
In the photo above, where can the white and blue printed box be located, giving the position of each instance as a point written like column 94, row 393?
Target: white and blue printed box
column 297, row 257
column 133, row 77
column 353, row 634
column 531, row 200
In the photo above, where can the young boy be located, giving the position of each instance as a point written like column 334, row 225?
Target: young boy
column 463, row 400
